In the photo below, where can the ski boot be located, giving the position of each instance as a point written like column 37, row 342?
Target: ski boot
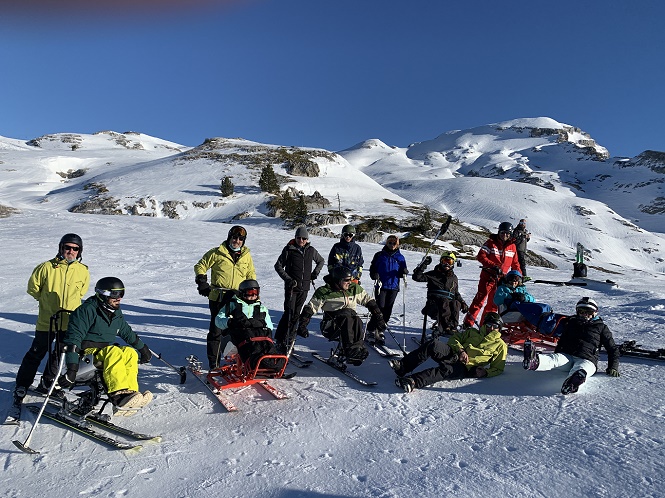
column 397, row 366
column 531, row 359
column 379, row 337
column 19, row 396
column 573, row 383
column 407, row 384
column 356, row 355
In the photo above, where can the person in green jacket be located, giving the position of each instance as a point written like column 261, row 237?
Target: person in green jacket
column 92, row 329
column 470, row 353
column 229, row 264
column 57, row 284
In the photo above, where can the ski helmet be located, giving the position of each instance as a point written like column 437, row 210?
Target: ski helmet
column 512, row 274
column 493, row 318
column 237, row 231
column 249, row 288
column 587, row 304
column 448, row 259
column 109, row 288
column 70, row 238
column 506, row 226
column 348, row 229
column 340, row 273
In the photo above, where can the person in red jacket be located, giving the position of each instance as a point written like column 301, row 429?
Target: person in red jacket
column 498, row 256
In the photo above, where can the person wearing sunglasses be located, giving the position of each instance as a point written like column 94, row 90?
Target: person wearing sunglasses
column 347, row 253
column 444, row 301
column 582, row 336
column 246, row 321
column 387, row 268
column 473, row 352
column 295, row 267
column 93, row 328
column 229, row 264
column 498, row 256
column 57, row 284
column 511, row 291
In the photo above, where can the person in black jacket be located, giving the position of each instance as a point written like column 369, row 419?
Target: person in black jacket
column 347, row 253
column 444, row 301
column 577, row 349
column 294, row 265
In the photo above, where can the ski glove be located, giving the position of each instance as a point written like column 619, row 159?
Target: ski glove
column 464, row 307
column 202, row 285
column 69, row 379
column 612, row 372
column 292, row 283
column 426, row 262
column 518, row 296
column 146, row 354
column 377, row 315
column 314, row 276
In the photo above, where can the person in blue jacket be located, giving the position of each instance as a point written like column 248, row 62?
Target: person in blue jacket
column 386, row 269
column 511, row 291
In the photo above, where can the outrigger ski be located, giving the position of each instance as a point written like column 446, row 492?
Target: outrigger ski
column 83, row 428
column 342, row 368
column 201, row 377
column 299, row 361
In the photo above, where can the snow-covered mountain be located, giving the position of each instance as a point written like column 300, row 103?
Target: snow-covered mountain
column 551, row 173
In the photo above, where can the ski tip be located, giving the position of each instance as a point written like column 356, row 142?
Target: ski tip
column 25, row 449
column 134, row 449
column 156, row 439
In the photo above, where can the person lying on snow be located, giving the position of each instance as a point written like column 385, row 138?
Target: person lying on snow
column 338, row 300
column 577, row 349
column 248, row 324
column 471, row 353
column 92, row 328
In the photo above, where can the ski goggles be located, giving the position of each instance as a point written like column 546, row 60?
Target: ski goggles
column 348, row 234
column 448, row 261
column 492, row 326
column 111, row 294
column 251, row 293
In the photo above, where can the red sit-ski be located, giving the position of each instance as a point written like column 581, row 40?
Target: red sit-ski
column 543, row 331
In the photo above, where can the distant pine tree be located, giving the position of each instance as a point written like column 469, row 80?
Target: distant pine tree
column 268, row 180
column 300, row 213
column 425, row 223
column 227, row 187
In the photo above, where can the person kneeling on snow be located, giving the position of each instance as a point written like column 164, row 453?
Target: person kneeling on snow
column 92, row 328
column 338, row 300
column 249, row 326
column 470, row 353
column 577, row 349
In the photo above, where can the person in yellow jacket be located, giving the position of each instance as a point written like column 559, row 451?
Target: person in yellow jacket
column 229, row 264
column 58, row 284
column 471, row 353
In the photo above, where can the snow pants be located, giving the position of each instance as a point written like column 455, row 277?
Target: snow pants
column 449, row 366
column 521, row 257
column 120, row 367
column 294, row 300
column 216, row 343
column 484, row 297
column 563, row 361
column 386, row 300
column 444, row 311
column 33, row 358
column 346, row 326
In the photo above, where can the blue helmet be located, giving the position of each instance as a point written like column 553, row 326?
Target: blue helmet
column 512, row 274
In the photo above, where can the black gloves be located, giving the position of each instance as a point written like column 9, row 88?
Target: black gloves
column 69, row 379
column 426, row 262
column 519, row 296
column 291, row 283
column 313, row 276
column 464, row 307
column 373, row 276
column 377, row 315
column 146, row 354
column 202, row 285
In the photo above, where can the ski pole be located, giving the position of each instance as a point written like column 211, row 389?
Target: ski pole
column 442, row 230
column 25, row 446
column 404, row 313
column 396, row 341
column 181, row 371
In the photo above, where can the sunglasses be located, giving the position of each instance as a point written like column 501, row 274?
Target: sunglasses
column 492, row 326
column 346, row 280
column 347, row 234
column 450, row 261
column 239, row 237
column 71, row 248
column 301, row 238
column 392, row 242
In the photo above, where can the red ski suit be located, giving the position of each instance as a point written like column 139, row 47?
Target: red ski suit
column 493, row 254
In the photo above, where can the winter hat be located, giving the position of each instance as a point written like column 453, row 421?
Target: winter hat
column 302, row 233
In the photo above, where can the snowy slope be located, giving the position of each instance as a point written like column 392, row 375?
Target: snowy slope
column 512, row 434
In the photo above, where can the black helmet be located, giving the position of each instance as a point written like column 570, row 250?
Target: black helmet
column 340, row 273
column 109, row 288
column 237, row 231
column 70, row 238
column 249, row 288
column 494, row 318
column 506, row 226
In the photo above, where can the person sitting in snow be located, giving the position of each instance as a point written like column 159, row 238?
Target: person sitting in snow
column 92, row 328
column 471, row 353
column 577, row 349
column 338, row 299
column 511, row 290
column 444, row 301
column 248, row 324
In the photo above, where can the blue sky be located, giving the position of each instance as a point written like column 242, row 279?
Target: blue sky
column 332, row 74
